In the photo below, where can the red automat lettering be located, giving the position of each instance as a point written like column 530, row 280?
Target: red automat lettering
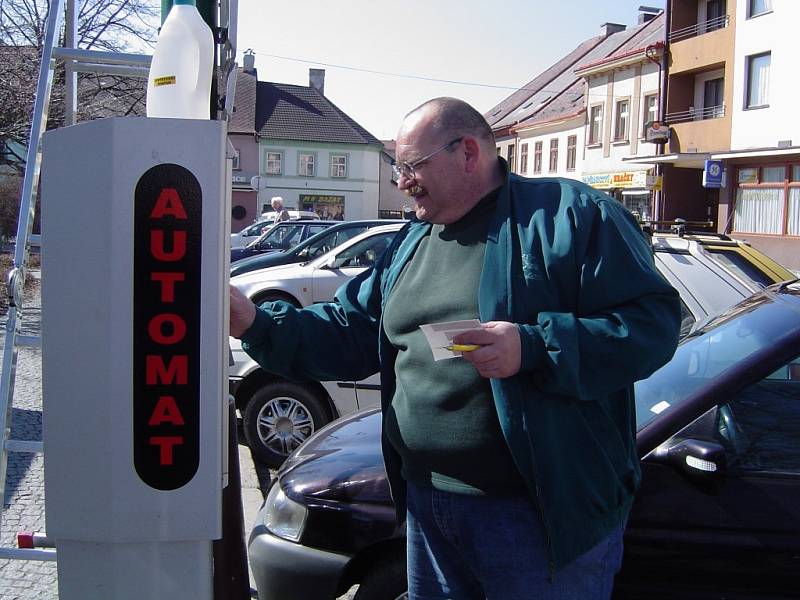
column 155, row 328
column 157, row 245
column 168, row 203
column 165, row 444
column 167, row 281
column 166, row 411
column 176, row 373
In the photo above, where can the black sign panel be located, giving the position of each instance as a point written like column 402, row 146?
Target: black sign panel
column 166, row 326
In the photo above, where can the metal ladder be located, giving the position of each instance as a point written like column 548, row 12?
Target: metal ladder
column 76, row 60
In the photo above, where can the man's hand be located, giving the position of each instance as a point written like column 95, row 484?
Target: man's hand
column 500, row 352
column 243, row 312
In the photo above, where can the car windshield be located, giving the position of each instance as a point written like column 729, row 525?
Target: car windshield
column 256, row 228
column 281, row 237
column 713, row 349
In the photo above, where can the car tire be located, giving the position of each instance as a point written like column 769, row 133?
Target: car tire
column 278, row 418
column 387, row 580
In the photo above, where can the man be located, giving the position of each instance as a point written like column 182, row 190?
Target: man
column 277, row 206
column 515, row 464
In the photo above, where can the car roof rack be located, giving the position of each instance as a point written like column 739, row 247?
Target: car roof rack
column 682, row 227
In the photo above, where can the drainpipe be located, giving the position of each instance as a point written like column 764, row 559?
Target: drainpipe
column 663, row 85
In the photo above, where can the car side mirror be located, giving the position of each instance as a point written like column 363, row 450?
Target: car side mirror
column 701, row 460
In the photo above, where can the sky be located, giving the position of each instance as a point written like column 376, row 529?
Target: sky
column 490, row 47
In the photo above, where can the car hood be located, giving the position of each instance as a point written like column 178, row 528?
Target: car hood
column 282, row 272
column 341, row 462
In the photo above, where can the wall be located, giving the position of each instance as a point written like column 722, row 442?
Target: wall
column 775, row 32
column 632, row 82
column 242, row 194
column 360, row 188
column 544, row 133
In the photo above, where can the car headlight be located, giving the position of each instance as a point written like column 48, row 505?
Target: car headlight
column 283, row 516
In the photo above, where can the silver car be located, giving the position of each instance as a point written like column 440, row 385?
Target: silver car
column 279, row 415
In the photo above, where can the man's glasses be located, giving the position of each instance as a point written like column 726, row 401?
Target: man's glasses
column 407, row 169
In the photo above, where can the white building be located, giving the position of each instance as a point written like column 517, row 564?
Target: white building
column 584, row 114
column 314, row 155
column 623, row 95
column 762, row 203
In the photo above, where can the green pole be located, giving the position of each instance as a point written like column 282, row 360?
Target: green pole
column 206, row 8
column 166, row 5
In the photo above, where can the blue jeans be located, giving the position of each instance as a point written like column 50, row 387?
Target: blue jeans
column 474, row 547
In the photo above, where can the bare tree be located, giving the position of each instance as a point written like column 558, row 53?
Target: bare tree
column 113, row 25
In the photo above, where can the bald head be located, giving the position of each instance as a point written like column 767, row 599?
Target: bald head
column 449, row 159
column 449, row 118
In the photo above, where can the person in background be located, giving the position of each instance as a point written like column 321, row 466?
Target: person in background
column 277, row 206
column 514, row 464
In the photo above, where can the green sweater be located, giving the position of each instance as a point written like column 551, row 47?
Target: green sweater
column 442, row 420
column 573, row 269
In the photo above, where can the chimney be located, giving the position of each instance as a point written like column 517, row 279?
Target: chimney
column 648, row 13
column 316, row 79
column 607, row 29
column 249, row 61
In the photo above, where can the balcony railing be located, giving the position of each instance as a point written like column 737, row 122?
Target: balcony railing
column 700, row 28
column 696, row 114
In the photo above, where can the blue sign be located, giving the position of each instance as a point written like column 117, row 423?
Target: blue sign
column 712, row 174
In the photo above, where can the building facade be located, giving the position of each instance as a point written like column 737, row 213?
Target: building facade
column 313, row 155
column 242, row 136
column 584, row 114
column 623, row 92
column 761, row 201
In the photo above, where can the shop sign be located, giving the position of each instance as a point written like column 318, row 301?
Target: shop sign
column 712, row 174
column 621, row 180
column 320, row 199
column 241, row 180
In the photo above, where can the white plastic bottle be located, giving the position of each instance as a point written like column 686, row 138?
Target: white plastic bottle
column 179, row 84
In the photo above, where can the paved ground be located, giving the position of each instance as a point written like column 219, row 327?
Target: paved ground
column 24, row 501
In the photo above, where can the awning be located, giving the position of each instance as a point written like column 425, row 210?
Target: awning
column 686, row 160
column 754, row 153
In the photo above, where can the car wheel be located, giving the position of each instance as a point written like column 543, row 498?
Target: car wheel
column 387, row 580
column 278, row 418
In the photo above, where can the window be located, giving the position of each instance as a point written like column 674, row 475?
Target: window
column 235, row 161
column 758, row 7
column 305, row 165
column 621, row 118
column 523, row 159
column 713, row 98
column 649, row 111
column 768, row 200
column 758, row 80
column 510, row 157
column 553, row 155
column 759, row 426
column 715, row 13
column 595, row 124
column 274, row 160
column 537, row 157
column 572, row 142
column 338, row 165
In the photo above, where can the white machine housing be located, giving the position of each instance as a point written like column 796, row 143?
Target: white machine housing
column 118, row 536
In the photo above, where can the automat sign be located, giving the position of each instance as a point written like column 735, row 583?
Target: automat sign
column 166, row 326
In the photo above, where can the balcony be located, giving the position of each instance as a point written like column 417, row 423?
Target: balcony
column 691, row 31
column 696, row 114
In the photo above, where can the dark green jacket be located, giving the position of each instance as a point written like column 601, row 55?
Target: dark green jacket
column 574, row 270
